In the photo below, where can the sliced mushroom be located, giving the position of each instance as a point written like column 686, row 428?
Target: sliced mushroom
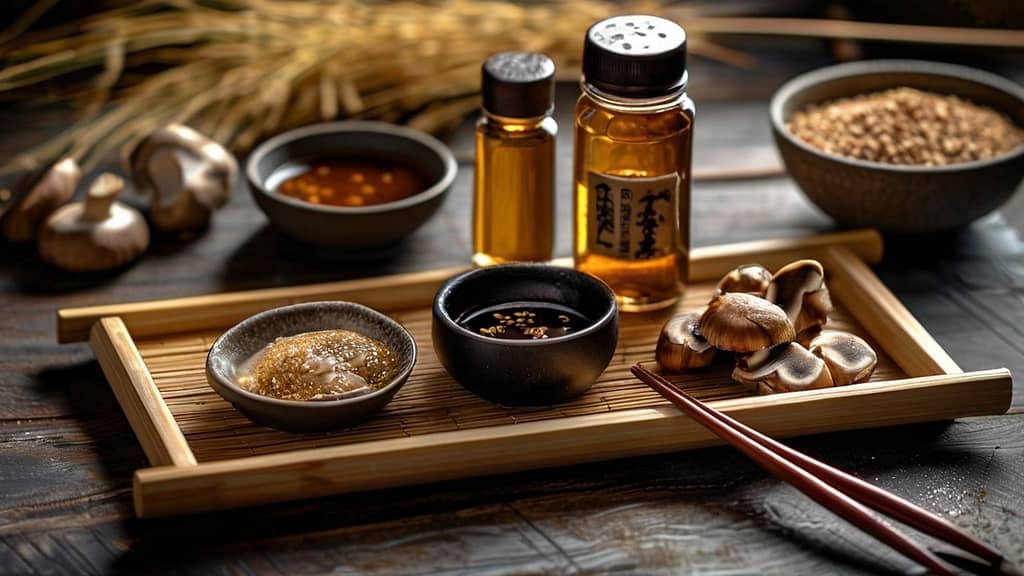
column 789, row 368
column 681, row 346
column 749, row 278
column 37, row 197
column 849, row 358
column 97, row 234
column 188, row 175
column 799, row 289
column 744, row 323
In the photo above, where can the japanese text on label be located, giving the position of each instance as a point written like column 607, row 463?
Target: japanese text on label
column 632, row 218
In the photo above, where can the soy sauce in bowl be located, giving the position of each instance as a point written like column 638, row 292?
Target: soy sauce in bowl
column 524, row 321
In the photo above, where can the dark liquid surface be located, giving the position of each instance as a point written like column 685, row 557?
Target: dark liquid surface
column 348, row 182
column 524, row 321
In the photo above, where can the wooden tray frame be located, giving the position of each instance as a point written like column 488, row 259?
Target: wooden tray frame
column 935, row 389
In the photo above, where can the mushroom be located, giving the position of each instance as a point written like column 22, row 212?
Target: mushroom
column 789, row 368
column 97, row 234
column 37, row 197
column 744, row 323
column 188, row 175
column 799, row 289
column 681, row 346
column 805, row 336
column 749, row 278
column 849, row 358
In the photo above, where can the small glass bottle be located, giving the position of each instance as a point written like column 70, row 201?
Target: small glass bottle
column 631, row 169
column 513, row 198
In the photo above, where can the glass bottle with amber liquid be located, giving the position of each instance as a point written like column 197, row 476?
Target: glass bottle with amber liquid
column 513, row 197
column 633, row 143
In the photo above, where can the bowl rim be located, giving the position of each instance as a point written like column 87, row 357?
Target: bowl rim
column 608, row 316
column 397, row 382
column 443, row 153
column 828, row 74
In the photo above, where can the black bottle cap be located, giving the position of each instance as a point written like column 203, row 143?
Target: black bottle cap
column 635, row 56
column 518, row 84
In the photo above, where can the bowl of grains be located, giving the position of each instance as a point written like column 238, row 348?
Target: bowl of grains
column 904, row 146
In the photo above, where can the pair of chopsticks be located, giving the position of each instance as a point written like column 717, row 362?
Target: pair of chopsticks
column 845, row 495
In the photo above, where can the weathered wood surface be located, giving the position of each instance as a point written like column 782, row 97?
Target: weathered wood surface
column 67, row 453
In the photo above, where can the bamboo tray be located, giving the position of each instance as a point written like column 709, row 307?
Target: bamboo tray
column 206, row 456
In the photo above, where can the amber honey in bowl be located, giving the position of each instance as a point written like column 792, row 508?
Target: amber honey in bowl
column 348, row 182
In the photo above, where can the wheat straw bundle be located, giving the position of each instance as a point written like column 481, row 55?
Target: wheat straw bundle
column 242, row 70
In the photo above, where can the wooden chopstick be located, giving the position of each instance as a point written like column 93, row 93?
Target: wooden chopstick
column 828, row 486
column 876, row 498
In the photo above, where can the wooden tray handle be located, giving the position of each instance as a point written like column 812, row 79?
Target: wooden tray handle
column 417, row 289
column 159, row 434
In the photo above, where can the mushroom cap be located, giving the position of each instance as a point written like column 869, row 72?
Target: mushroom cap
column 743, row 323
column 749, row 278
column 849, row 358
column 789, row 368
column 681, row 346
column 97, row 234
column 799, row 289
column 36, row 197
column 187, row 174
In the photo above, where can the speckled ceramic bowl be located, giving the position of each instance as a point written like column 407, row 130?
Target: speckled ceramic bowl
column 248, row 337
column 525, row 372
column 897, row 198
column 350, row 231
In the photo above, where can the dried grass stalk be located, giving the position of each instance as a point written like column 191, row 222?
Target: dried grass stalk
column 244, row 69
column 239, row 70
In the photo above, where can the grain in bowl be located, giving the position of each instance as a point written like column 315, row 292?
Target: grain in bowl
column 907, row 126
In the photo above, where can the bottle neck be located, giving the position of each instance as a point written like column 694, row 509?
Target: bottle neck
column 510, row 124
column 622, row 103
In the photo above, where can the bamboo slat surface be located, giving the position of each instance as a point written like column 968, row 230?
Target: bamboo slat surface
column 431, row 401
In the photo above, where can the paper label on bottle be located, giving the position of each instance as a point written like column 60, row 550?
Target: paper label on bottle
column 632, row 218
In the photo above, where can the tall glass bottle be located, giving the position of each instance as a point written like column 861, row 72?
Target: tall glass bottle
column 513, row 198
column 633, row 144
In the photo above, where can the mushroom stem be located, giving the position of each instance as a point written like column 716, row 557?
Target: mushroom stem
column 101, row 196
column 97, row 233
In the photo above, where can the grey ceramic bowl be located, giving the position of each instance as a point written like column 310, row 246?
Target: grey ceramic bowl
column 250, row 336
column 525, row 372
column 895, row 198
column 350, row 230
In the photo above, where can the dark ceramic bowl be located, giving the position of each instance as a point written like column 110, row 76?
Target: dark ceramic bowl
column 350, row 230
column 250, row 336
column 525, row 372
column 897, row 198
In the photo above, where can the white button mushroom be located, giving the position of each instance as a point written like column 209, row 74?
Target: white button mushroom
column 97, row 234
column 37, row 197
column 188, row 176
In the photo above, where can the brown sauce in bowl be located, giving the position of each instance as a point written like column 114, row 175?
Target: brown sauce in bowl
column 351, row 182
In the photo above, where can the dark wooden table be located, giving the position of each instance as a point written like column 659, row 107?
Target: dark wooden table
column 67, row 453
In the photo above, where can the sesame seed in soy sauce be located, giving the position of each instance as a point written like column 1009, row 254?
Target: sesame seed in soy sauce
column 524, row 321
